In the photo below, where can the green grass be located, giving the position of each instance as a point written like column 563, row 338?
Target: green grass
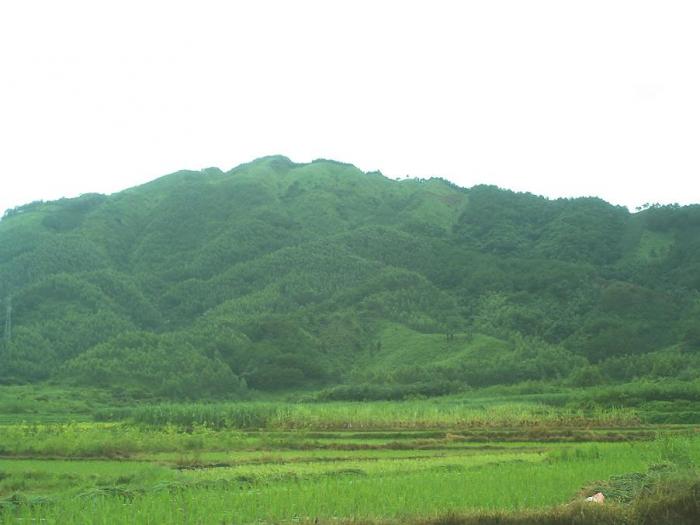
column 373, row 416
column 506, row 455
column 401, row 345
column 45, row 403
column 653, row 245
column 363, row 488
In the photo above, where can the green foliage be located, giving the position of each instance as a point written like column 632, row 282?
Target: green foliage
column 159, row 365
column 587, row 376
column 290, row 276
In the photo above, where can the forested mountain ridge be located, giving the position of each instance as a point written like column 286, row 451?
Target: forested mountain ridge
column 278, row 275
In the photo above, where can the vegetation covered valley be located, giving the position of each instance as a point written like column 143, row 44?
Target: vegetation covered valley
column 309, row 343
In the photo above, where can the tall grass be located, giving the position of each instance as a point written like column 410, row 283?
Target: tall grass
column 371, row 416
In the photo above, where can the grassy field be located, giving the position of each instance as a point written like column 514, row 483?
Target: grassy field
column 418, row 461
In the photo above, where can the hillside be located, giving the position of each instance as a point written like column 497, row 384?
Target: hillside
column 277, row 276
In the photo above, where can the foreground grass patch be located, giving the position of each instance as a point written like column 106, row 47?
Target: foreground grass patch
column 378, row 487
column 418, row 461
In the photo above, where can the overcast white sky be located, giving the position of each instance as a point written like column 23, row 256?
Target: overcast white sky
column 561, row 98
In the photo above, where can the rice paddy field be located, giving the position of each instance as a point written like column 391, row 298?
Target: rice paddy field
column 410, row 462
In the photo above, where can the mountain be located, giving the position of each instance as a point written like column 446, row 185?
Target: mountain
column 277, row 276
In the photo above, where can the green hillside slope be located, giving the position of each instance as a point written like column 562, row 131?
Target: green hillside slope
column 277, row 276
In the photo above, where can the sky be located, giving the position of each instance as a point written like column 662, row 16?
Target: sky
column 559, row 98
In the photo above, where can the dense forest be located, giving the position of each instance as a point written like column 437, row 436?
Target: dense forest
column 278, row 276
